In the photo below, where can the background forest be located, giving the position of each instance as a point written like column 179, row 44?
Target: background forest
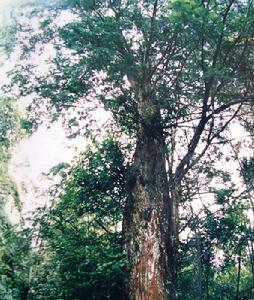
column 159, row 204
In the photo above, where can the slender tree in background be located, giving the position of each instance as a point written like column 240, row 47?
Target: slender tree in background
column 174, row 75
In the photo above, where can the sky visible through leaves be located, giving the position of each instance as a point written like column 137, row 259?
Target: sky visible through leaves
column 37, row 154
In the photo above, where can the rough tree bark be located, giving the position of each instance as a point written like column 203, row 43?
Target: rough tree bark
column 173, row 236
column 148, row 213
column 147, row 221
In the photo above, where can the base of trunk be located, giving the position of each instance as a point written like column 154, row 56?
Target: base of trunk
column 147, row 223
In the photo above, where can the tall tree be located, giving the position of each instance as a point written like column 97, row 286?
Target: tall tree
column 174, row 74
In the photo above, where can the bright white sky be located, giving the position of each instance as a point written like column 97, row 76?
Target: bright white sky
column 38, row 153
column 34, row 156
column 9, row 8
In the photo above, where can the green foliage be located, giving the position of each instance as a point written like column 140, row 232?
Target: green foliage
column 15, row 262
column 158, row 66
column 210, row 257
column 81, row 234
column 8, row 134
column 8, row 122
column 248, row 171
column 8, row 38
column 16, row 258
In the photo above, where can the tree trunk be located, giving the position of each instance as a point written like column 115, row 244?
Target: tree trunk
column 147, row 218
column 198, row 279
column 238, row 274
column 174, row 237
